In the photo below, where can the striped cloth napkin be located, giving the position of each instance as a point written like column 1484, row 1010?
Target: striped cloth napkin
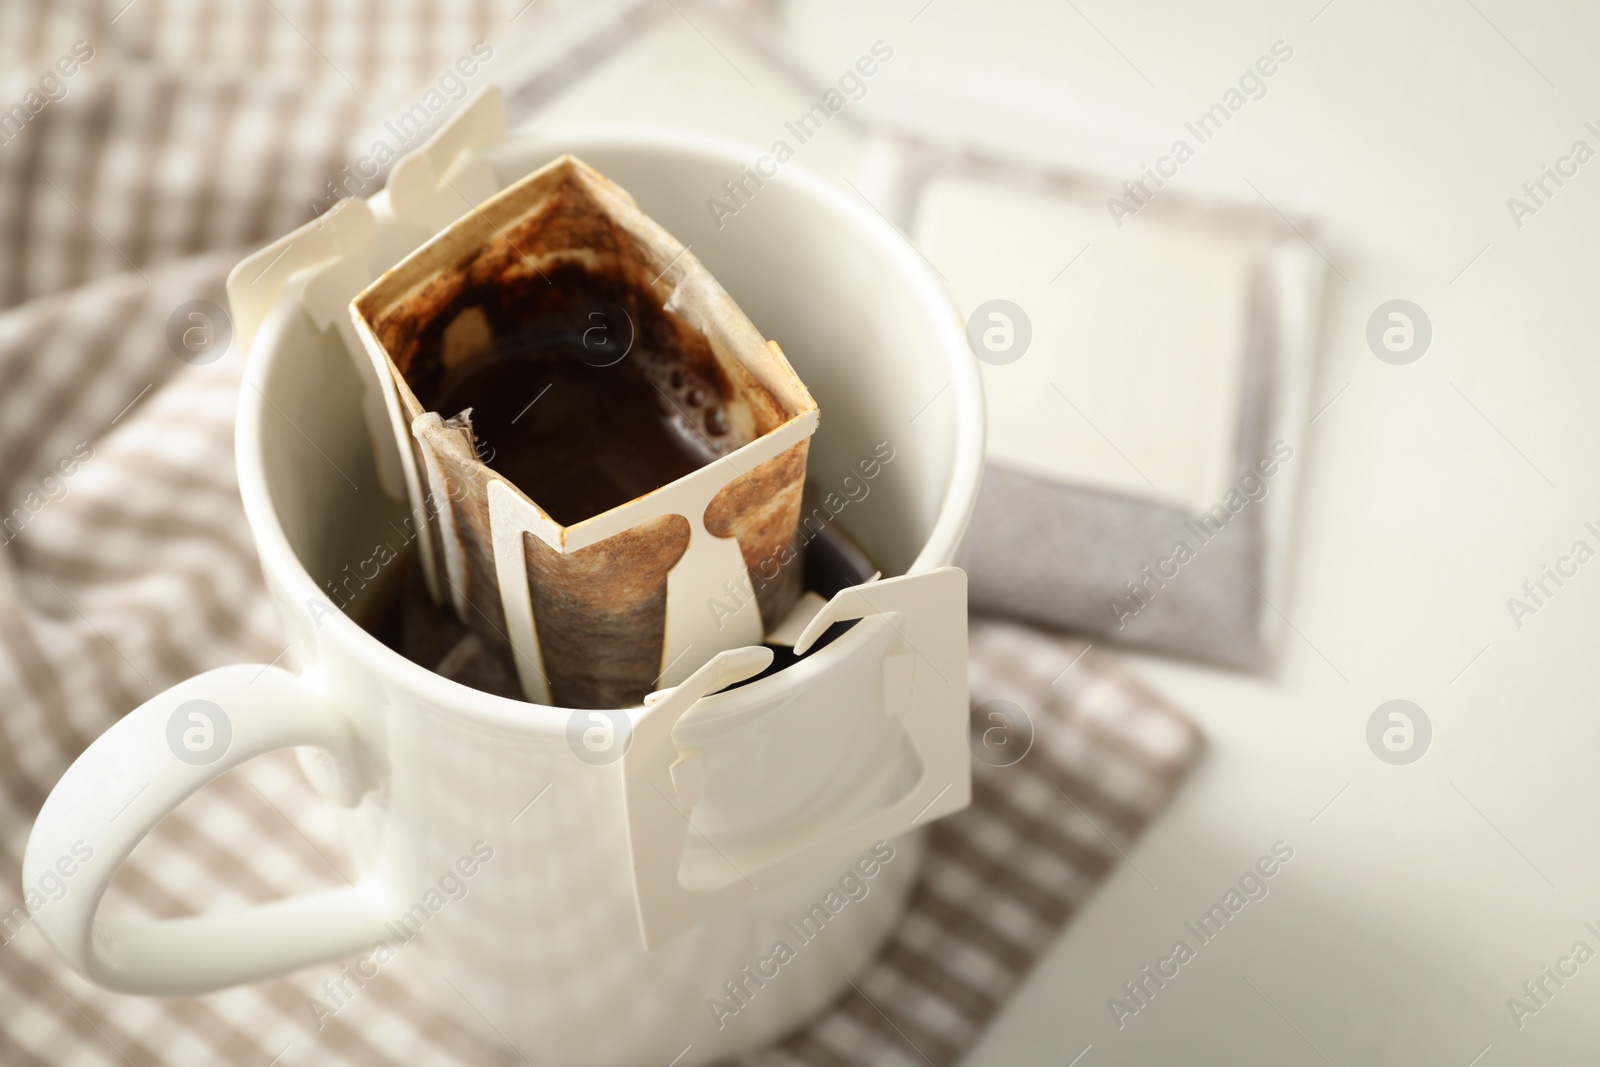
column 193, row 133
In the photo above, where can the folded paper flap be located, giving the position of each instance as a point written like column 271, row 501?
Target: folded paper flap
column 344, row 232
column 922, row 682
column 434, row 184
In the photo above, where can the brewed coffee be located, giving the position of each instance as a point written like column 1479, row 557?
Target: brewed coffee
column 580, row 393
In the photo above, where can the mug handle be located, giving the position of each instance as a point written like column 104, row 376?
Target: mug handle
column 136, row 773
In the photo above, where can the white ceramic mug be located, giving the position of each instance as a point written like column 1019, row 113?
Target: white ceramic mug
column 483, row 837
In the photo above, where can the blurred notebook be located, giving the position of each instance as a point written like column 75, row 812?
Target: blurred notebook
column 1145, row 445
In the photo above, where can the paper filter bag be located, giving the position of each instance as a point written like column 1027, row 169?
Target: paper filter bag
column 612, row 606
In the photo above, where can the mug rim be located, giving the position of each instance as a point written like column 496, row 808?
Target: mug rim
column 939, row 548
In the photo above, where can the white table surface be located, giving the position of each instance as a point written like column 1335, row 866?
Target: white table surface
column 1421, row 898
column 1426, row 894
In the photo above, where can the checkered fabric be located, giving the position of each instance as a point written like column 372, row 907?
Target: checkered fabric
column 195, row 132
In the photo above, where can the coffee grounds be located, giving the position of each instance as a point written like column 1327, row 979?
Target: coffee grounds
column 582, row 391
